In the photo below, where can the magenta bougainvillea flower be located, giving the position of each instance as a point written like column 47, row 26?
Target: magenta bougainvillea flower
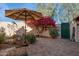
column 44, row 22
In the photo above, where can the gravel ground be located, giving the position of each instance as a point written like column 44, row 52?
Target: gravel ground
column 53, row 47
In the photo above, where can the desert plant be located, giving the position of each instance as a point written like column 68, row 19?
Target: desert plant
column 30, row 38
column 53, row 32
column 2, row 37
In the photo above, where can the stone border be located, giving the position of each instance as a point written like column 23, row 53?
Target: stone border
column 13, row 51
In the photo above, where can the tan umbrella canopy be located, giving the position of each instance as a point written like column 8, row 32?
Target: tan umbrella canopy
column 23, row 14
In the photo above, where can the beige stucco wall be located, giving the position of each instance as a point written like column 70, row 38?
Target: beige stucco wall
column 74, row 24
column 71, row 27
column 46, row 33
column 77, row 33
column 59, row 30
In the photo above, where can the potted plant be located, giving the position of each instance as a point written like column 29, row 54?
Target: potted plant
column 53, row 32
column 31, row 38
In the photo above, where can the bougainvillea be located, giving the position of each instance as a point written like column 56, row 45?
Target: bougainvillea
column 43, row 23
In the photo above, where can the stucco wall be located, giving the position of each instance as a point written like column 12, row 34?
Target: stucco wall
column 76, row 37
column 76, row 33
column 46, row 33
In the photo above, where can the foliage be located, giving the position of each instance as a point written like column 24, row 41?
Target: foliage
column 46, row 8
column 43, row 23
column 62, row 13
column 53, row 32
column 2, row 35
column 30, row 38
column 2, row 29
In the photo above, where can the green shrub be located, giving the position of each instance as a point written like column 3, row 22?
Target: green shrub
column 2, row 37
column 53, row 32
column 30, row 38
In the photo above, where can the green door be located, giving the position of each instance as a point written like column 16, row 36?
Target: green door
column 65, row 30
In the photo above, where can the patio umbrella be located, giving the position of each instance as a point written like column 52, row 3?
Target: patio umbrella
column 23, row 14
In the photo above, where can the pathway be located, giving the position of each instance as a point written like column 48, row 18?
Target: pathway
column 53, row 47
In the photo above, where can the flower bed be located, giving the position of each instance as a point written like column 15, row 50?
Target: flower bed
column 16, row 48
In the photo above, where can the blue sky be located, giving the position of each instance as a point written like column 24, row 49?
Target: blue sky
column 6, row 6
column 32, row 6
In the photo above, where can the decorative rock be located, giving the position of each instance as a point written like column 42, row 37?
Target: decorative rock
column 21, row 51
column 17, row 52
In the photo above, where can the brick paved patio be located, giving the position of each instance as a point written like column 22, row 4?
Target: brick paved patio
column 53, row 47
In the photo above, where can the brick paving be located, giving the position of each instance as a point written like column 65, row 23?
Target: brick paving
column 53, row 47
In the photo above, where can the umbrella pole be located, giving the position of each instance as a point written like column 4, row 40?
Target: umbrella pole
column 25, row 27
column 25, row 35
column 26, row 42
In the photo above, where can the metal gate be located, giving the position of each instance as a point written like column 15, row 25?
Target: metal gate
column 65, row 30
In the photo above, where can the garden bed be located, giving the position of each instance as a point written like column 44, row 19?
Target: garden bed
column 13, row 49
column 5, row 46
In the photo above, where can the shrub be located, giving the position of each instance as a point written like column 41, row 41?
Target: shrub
column 2, row 37
column 53, row 32
column 30, row 38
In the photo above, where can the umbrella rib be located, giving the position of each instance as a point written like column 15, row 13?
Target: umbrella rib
column 31, row 15
column 22, row 14
column 36, row 14
column 33, row 12
column 28, row 14
column 19, row 14
column 14, row 12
